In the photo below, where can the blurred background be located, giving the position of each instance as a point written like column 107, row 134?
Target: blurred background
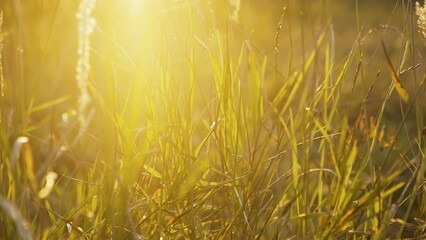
column 40, row 38
column 133, row 36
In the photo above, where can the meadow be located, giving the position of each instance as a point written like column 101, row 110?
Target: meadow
column 208, row 119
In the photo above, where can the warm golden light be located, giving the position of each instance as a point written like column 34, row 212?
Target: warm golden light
column 212, row 119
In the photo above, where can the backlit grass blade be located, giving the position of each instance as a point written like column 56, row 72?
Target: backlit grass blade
column 21, row 224
column 398, row 85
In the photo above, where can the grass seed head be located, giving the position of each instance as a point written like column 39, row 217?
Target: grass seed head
column 86, row 25
column 421, row 22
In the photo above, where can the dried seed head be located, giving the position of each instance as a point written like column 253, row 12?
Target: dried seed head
column 86, row 24
column 421, row 22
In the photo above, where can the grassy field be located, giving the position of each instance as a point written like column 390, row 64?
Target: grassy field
column 193, row 119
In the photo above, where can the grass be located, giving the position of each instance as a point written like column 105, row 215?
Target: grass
column 200, row 120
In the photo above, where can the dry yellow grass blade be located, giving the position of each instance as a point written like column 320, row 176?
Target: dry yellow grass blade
column 22, row 148
column 399, row 88
column 27, row 155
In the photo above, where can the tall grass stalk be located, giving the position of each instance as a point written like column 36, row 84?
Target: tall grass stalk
column 86, row 24
column 1, row 60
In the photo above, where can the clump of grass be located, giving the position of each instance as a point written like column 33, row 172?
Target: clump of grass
column 188, row 142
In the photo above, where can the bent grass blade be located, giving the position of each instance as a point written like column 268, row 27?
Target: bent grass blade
column 398, row 85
